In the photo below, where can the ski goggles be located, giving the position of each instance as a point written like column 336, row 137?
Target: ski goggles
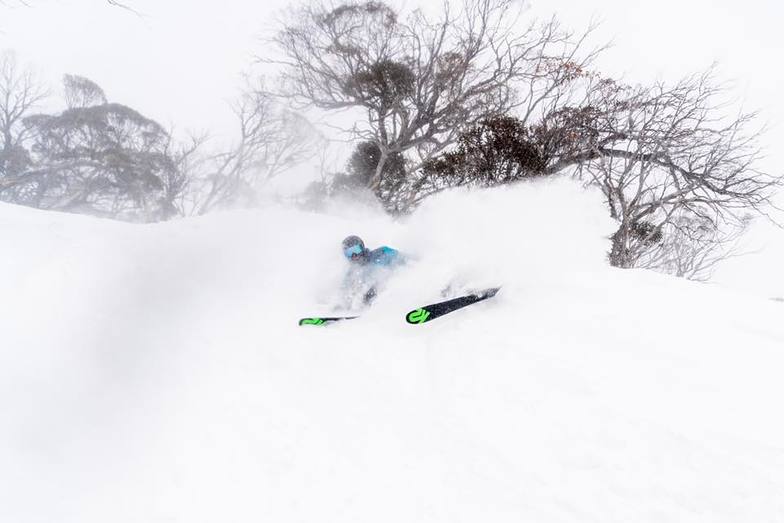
column 354, row 250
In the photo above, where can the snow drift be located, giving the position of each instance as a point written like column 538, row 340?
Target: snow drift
column 156, row 373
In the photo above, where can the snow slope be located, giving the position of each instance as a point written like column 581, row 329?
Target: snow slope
column 757, row 267
column 156, row 373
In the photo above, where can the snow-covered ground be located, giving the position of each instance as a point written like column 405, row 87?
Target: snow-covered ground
column 757, row 266
column 156, row 373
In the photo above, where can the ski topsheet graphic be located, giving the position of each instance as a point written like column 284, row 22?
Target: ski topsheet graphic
column 318, row 321
column 436, row 310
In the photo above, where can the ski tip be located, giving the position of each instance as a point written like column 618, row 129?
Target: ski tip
column 311, row 321
column 418, row 316
column 324, row 321
column 487, row 293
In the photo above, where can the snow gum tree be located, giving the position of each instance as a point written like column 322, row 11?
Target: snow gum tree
column 98, row 157
column 422, row 80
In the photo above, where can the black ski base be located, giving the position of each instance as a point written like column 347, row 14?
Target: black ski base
column 436, row 310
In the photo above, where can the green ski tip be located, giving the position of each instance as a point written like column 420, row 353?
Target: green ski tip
column 311, row 321
column 418, row 316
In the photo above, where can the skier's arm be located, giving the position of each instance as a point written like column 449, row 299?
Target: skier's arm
column 392, row 257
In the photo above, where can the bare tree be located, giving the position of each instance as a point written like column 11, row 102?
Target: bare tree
column 20, row 93
column 679, row 172
column 271, row 141
column 664, row 154
column 691, row 247
column 420, row 80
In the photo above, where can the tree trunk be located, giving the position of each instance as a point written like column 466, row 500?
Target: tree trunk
column 620, row 254
column 375, row 182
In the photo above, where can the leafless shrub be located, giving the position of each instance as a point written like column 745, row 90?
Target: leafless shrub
column 20, row 93
column 691, row 247
column 271, row 141
column 668, row 157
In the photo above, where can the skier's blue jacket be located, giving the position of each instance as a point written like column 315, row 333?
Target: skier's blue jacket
column 368, row 270
column 383, row 256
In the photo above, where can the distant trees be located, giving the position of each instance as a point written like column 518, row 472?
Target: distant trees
column 100, row 158
column 94, row 157
column 107, row 159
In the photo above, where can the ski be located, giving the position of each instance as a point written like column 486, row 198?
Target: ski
column 436, row 310
column 420, row 315
column 319, row 321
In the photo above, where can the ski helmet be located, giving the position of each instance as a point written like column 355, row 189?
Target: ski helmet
column 353, row 246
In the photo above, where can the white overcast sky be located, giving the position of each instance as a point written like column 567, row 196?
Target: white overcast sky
column 181, row 61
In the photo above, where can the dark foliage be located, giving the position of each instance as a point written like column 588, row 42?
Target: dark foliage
column 14, row 160
column 624, row 242
column 353, row 11
column 647, row 233
column 363, row 162
column 499, row 150
column 383, row 83
column 362, row 168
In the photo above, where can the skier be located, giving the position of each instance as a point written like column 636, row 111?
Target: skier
column 368, row 268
